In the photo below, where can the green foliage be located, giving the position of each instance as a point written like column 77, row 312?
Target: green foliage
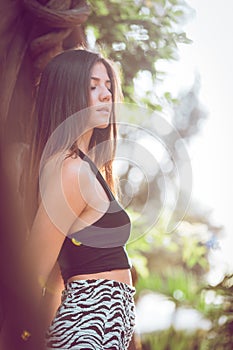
column 182, row 287
column 220, row 311
column 186, row 250
column 138, row 33
column 193, row 252
column 216, row 304
column 175, row 340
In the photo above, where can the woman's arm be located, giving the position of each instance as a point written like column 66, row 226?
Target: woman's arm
column 52, row 295
column 53, row 217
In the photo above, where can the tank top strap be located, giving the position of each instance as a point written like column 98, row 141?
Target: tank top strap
column 98, row 174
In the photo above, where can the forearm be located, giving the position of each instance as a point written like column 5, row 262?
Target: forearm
column 32, row 327
column 41, row 300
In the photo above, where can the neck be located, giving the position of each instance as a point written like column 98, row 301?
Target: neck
column 84, row 141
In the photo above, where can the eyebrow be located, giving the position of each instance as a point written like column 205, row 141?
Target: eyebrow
column 98, row 79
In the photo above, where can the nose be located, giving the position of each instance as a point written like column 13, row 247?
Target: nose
column 105, row 95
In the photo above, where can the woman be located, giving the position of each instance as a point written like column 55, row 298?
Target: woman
column 78, row 221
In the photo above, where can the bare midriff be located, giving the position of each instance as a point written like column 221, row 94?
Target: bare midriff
column 123, row 276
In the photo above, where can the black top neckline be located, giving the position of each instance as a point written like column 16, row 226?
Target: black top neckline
column 98, row 175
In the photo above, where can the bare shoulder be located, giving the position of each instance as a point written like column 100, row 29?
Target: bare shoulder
column 77, row 182
column 75, row 171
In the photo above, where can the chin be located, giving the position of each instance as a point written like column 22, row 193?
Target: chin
column 102, row 126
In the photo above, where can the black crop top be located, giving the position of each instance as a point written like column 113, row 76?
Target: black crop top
column 100, row 246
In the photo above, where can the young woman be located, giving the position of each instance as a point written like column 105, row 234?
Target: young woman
column 78, row 221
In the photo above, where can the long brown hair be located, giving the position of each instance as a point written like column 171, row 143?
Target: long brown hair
column 64, row 90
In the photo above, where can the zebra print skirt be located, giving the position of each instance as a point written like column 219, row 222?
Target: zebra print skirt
column 94, row 314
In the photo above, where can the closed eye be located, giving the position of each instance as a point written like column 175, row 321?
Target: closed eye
column 97, row 80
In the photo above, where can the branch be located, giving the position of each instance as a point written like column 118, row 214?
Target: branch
column 57, row 18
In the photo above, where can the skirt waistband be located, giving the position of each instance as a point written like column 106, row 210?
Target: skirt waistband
column 97, row 282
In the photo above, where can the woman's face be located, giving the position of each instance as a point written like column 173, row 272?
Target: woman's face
column 100, row 96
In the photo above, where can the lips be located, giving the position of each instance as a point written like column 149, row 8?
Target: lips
column 104, row 109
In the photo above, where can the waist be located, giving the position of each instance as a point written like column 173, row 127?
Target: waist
column 83, row 260
column 121, row 275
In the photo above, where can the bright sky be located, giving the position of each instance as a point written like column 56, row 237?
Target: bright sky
column 211, row 152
